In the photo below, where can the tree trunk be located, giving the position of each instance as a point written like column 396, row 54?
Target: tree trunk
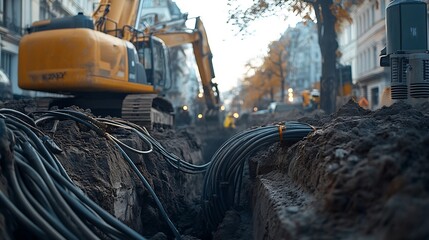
column 328, row 47
column 282, row 94
column 282, row 80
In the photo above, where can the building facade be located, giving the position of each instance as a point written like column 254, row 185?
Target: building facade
column 17, row 15
column 361, row 43
column 304, row 58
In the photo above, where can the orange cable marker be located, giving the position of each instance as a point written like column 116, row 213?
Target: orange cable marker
column 281, row 131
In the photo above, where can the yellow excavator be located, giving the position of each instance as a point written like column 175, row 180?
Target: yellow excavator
column 117, row 62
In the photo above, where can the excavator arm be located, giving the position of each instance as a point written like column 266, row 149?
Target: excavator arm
column 203, row 56
column 109, row 17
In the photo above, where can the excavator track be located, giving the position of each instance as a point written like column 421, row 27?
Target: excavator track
column 147, row 110
column 42, row 104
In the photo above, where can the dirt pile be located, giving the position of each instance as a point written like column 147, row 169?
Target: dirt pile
column 362, row 174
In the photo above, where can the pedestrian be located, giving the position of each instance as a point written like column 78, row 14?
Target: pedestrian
column 363, row 103
column 229, row 121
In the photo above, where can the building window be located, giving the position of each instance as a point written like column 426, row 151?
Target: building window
column 383, row 8
column 349, row 34
column 1, row 12
column 365, row 22
column 358, row 64
column 10, row 15
column 368, row 59
column 359, row 23
column 364, row 61
column 44, row 10
column 154, row 3
column 364, row 92
column 375, row 56
column 6, row 62
column 374, row 97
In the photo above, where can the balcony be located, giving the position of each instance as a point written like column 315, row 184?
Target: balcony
column 11, row 27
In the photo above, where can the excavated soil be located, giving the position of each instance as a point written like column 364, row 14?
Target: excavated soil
column 361, row 175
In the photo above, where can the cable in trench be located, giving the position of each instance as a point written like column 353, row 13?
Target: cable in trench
column 98, row 125
column 222, row 181
column 39, row 168
column 28, row 127
column 44, row 200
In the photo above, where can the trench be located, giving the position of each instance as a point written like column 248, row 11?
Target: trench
column 361, row 174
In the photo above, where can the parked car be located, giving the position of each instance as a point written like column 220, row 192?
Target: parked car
column 5, row 87
column 260, row 112
column 277, row 107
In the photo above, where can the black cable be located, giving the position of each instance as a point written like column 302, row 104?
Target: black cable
column 28, row 208
column 96, row 208
column 223, row 179
column 49, row 205
column 222, row 182
column 63, row 208
column 152, row 192
column 37, row 185
column 171, row 159
column 21, row 217
column 84, row 212
column 95, row 125
column 21, row 116
column 51, row 220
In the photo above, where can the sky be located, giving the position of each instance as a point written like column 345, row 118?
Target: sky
column 230, row 50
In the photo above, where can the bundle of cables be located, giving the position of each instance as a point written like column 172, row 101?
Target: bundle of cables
column 48, row 203
column 223, row 179
column 173, row 160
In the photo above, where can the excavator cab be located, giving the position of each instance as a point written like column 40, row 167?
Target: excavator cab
column 154, row 56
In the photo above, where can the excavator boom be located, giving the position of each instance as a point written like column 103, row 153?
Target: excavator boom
column 203, row 56
column 118, row 17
